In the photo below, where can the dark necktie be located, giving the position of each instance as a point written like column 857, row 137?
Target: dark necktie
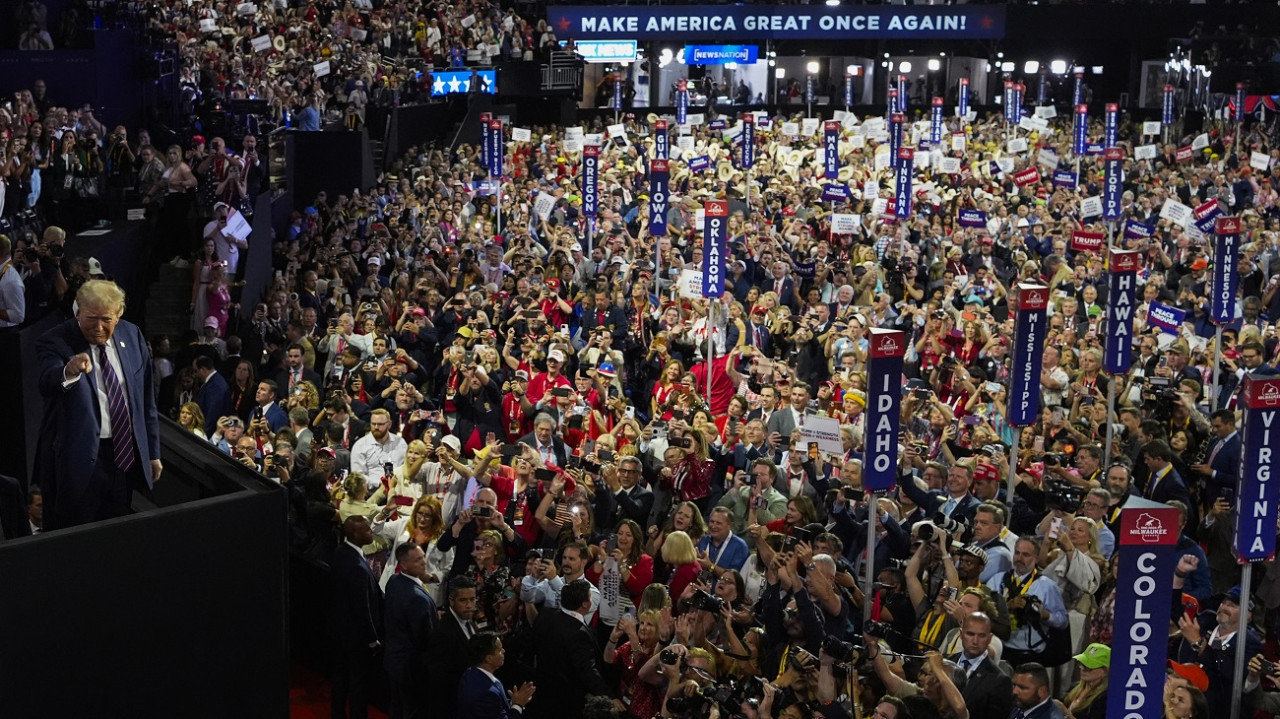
column 121, row 426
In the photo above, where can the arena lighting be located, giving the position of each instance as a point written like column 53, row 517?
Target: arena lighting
column 1080, row 69
column 904, row 66
column 1006, row 67
column 772, row 63
column 1032, row 67
column 780, row 73
column 1058, row 67
column 943, row 54
column 851, row 70
column 833, row 3
column 812, row 67
column 731, row 66
column 1000, row 55
column 886, row 56
column 934, row 64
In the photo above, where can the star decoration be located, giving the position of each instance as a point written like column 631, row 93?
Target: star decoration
column 437, row 87
column 466, row 85
column 564, row 24
column 987, row 21
column 453, row 83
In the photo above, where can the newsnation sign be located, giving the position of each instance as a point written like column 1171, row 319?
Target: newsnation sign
column 783, row 22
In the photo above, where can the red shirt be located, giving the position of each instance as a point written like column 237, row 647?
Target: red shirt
column 722, row 388
column 541, row 382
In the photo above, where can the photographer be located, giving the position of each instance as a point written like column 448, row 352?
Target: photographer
column 1034, row 601
column 791, row 619
column 937, row 681
column 753, row 493
column 1256, row 694
column 481, row 516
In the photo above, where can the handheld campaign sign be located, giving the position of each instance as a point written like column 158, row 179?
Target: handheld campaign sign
column 1088, row 240
column 1077, row 90
column 1121, row 299
column 682, row 102
column 1080, row 138
column 884, row 398
column 1256, row 495
column 935, row 122
column 1166, row 107
column 1029, row 333
column 1240, row 100
column 896, row 121
column 902, row 189
column 1168, row 319
column 659, row 199
column 748, row 141
column 715, row 224
column 590, row 180
column 1226, row 271
column 1148, row 547
column 1113, row 182
column 831, row 149
column 964, row 96
column 661, row 140
column 496, row 148
column 1111, row 124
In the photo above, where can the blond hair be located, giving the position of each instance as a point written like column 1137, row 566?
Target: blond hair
column 101, row 295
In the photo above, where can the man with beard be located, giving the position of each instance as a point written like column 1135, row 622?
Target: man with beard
column 377, row 448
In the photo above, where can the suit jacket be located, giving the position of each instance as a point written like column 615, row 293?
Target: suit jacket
column 1225, row 466
column 635, row 506
column 275, row 415
column 782, row 421
column 214, row 398
column 446, row 663
column 70, row 430
column 1168, row 488
column 988, row 687
column 566, row 654
column 480, row 697
column 560, row 454
column 788, row 294
column 308, row 375
column 410, row 619
column 355, row 601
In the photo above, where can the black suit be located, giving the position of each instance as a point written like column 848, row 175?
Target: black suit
column 567, row 673
column 1168, row 487
column 446, row 662
column 410, row 621
column 559, row 453
column 355, row 617
column 634, row 505
column 988, row 687
column 308, row 375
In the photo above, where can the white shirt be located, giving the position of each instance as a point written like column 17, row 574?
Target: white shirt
column 104, row 404
column 368, row 456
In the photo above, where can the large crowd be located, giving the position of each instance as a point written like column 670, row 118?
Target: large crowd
column 513, row 405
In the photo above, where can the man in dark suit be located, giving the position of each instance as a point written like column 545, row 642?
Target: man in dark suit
column 955, row 501
column 448, row 657
column 266, row 406
column 782, row 285
column 213, row 395
column 462, row 533
column 550, row 448
column 410, row 621
column 634, row 501
column 1165, row 483
column 100, row 412
column 566, row 653
column 787, row 418
column 986, row 685
column 480, row 693
column 355, row 618
column 757, row 332
column 295, row 370
column 1221, row 466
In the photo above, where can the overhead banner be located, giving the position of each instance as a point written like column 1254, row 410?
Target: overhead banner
column 1113, row 182
column 682, row 102
column 748, row 141
column 1226, row 271
column 1111, row 125
column 721, row 54
column 590, row 180
column 661, row 140
column 1121, row 299
column 777, row 22
column 884, row 400
column 715, row 226
column 1254, row 538
column 1148, row 548
column 831, row 149
column 935, row 122
column 1029, row 333
column 902, row 188
column 496, row 148
column 610, row 51
column 659, row 199
column 963, row 105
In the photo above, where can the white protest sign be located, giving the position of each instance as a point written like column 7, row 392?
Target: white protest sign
column 1259, row 161
column 857, row 142
column 845, row 224
column 882, row 158
column 958, row 141
column 1047, row 112
column 689, row 284
column 321, row 68
column 685, row 143
column 1151, row 127
column 468, row 21
column 1026, row 124
column 237, row 226
column 1176, row 212
column 573, row 133
column 593, row 139
column 696, row 118
column 1144, row 152
column 544, row 205
column 700, row 218
column 849, row 121
column 1017, row 146
column 949, row 165
column 521, row 134
column 791, row 128
column 839, row 115
column 618, row 130
column 1091, row 207
column 809, row 125
column 922, row 160
column 572, row 144
column 1047, row 158
column 1005, row 164
column 971, row 115
column 823, row 431
column 359, row 34
column 261, row 43
column 875, row 124
column 1201, row 141
column 879, row 205
column 208, row 25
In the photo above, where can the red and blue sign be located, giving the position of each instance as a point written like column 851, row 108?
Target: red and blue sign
column 964, row 96
column 714, row 231
column 1122, row 297
column 1030, row 330
column 1111, row 125
column 661, row 140
column 748, row 141
column 1225, row 280
column 935, row 122
column 1167, row 105
column 590, row 180
column 1254, row 538
column 682, row 102
column 659, row 197
column 902, row 188
column 1113, row 183
column 896, row 121
column 1167, row 318
column 831, row 148
column 885, row 352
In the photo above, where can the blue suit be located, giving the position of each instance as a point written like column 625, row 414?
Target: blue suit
column 274, row 414
column 70, row 431
column 480, row 697
column 409, row 616
column 214, row 398
column 1224, row 459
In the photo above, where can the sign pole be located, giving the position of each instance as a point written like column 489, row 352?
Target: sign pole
column 869, row 567
column 1237, row 678
column 714, row 233
column 711, row 350
column 1012, row 480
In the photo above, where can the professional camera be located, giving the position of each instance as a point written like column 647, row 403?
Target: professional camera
column 1159, row 398
column 956, row 528
column 1029, row 614
column 705, row 601
column 1054, row 460
column 879, row 630
column 841, row 651
column 1062, row 495
column 671, row 657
